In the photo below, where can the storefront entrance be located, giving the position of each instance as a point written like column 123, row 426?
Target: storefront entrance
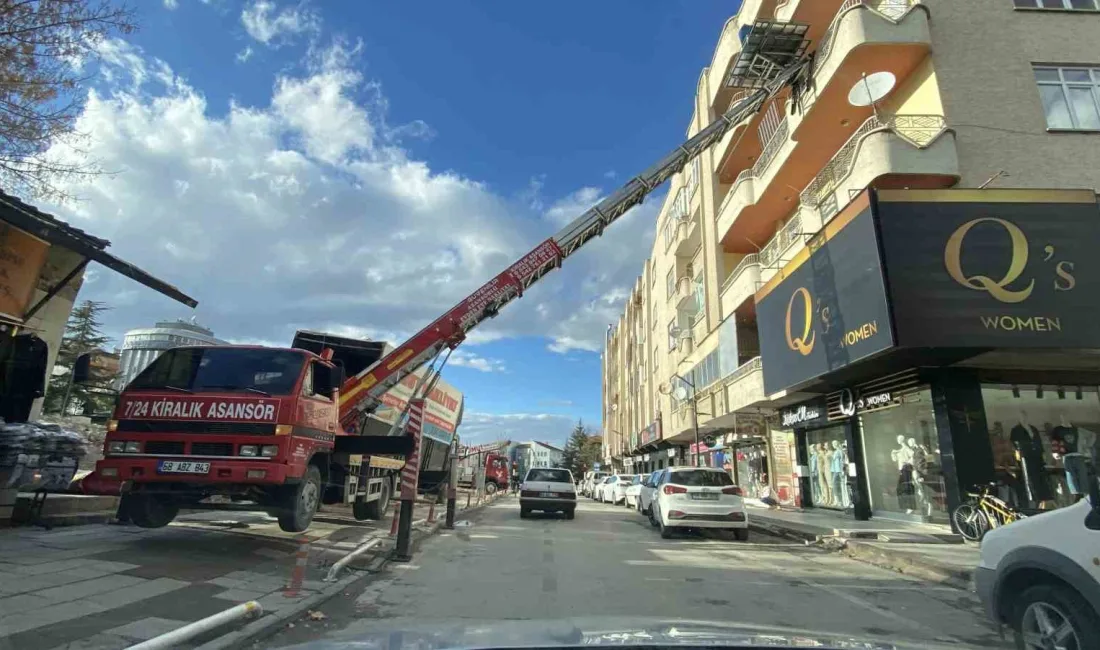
column 827, row 452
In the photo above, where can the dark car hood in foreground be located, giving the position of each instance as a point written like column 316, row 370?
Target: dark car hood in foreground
column 382, row 635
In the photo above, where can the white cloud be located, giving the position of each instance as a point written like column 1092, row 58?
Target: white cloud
column 171, row 4
column 479, row 428
column 307, row 212
column 272, row 26
column 467, row 359
column 244, row 54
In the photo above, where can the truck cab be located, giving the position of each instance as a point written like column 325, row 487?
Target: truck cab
column 246, row 423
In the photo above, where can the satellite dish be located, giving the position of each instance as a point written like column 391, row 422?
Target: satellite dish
column 675, row 332
column 680, row 393
column 870, row 90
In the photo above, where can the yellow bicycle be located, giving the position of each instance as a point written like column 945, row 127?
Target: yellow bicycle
column 982, row 512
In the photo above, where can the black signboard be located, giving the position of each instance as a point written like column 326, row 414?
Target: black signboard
column 806, row 414
column 827, row 308
column 992, row 268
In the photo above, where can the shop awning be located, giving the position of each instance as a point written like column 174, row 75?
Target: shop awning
column 58, row 233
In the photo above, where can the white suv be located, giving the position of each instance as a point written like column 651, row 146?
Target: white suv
column 698, row 497
column 1041, row 575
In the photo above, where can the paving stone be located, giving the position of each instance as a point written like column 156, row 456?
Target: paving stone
column 46, row 567
column 239, row 595
column 135, row 593
column 22, row 603
column 147, row 628
column 97, row 642
column 16, row 623
column 77, row 590
column 24, row 584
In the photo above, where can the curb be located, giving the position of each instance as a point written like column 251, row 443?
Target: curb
column 958, row 578
column 266, row 625
column 786, row 533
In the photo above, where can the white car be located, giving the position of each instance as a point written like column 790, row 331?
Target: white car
column 1041, row 575
column 614, row 490
column 648, row 491
column 597, row 489
column 698, row 497
column 591, row 481
column 633, row 490
column 549, row 490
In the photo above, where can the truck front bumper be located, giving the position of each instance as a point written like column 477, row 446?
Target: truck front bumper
column 245, row 471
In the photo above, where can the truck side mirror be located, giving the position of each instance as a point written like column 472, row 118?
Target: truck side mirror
column 1082, row 479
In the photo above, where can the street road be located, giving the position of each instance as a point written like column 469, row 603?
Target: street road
column 609, row 563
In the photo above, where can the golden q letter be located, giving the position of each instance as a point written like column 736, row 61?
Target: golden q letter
column 952, row 254
column 802, row 344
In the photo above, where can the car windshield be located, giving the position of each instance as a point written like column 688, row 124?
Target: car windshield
column 203, row 369
column 550, row 475
column 700, row 478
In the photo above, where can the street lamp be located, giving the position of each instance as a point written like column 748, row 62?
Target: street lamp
column 681, row 393
column 619, row 434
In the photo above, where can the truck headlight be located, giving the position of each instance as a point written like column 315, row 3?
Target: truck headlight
column 247, row 450
column 269, row 451
column 116, row 447
column 133, row 448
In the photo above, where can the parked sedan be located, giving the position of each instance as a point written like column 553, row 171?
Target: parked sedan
column 698, row 497
column 548, row 490
column 633, row 490
column 597, row 492
column 648, row 491
column 614, row 491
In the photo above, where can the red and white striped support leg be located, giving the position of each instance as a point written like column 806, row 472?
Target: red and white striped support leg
column 298, row 573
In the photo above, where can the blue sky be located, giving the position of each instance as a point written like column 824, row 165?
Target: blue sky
column 361, row 166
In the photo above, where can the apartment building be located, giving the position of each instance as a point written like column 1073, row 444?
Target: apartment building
column 841, row 284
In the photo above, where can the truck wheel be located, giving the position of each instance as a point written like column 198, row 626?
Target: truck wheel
column 373, row 509
column 490, row 488
column 147, row 511
column 301, row 503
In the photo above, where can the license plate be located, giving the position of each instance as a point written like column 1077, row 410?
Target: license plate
column 182, row 467
column 548, row 494
column 704, row 496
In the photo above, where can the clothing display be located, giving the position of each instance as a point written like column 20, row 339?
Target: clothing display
column 1029, row 447
column 24, row 377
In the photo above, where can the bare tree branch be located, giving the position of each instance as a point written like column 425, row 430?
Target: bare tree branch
column 44, row 45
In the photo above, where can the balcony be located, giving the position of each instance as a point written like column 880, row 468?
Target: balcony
column 863, row 36
column 754, row 180
column 745, row 386
column 915, row 151
column 741, row 283
column 779, row 248
column 688, row 235
column 729, row 44
column 687, row 295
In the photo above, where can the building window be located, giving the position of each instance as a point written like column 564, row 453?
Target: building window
column 1058, row 4
column 1071, row 97
column 672, row 334
column 670, row 283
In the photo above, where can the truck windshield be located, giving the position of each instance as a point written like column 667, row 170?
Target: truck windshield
column 269, row 372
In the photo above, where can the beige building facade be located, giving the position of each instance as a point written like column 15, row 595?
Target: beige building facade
column 977, row 93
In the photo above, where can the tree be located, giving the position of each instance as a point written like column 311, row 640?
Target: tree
column 44, row 47
column 82, row 334
column 582, row 450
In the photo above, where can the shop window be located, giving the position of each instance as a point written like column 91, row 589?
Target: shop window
column 828, row 454
column 1032, row 428
column 902, row 454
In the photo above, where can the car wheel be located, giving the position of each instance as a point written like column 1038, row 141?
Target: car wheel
column 524, row 513
column 742, row 534
column 652, row 518
column 666, row 531
column 1049, row 616
column 570, row 514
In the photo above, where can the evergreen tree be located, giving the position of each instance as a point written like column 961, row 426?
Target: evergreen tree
column 82, row 334
column 582, row 451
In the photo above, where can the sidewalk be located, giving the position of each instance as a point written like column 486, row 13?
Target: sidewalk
column 111, row 586
column 928, row 551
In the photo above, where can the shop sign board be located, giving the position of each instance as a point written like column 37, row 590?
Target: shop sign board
column 650, row 434
column 992, row 268
column 804, row 415
column 851, row 403
column 827, row 307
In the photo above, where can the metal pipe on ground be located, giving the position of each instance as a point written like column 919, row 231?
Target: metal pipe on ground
column 343, row 562
column 192, row 630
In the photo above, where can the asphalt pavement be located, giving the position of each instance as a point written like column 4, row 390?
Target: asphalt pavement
column 610, row 565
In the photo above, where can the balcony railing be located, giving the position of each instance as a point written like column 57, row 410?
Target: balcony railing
column 746, row 261
column 772, row 252
column 918, row 130
column 744, row 369
column 893, row 10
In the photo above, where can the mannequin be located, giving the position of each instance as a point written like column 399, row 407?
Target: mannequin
column 903, row 456
column 920, row 471
column 836, row 472
column 1029, row 452
column 823, row 476
column 815, row 490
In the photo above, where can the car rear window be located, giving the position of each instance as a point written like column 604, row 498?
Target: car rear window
column 700, row 478
column 550, row 475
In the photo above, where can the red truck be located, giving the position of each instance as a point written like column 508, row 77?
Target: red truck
column 489, row 457
column 260, row 428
